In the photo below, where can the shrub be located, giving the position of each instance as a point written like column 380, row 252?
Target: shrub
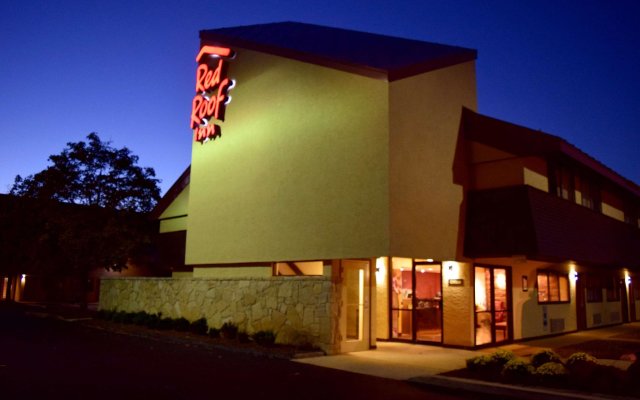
column 551, row 373
column 153, row 320
column 122, row 317
column 265, row 338
column 214, row 332
column 579, row 358
column 229, row 330
column 199, row 326
column 243, row 337
column 501, row 357
column 544, row 356
column 517, row 370
column 480, row 363
column 181, row 324
column 164, row 323
column 140, row 318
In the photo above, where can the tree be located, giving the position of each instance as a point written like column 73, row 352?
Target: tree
column 93, row 174
column 86, row 210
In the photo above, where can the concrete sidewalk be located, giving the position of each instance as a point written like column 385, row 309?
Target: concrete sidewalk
column 422, row 364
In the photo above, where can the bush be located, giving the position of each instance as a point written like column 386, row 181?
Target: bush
column 517, row 370
column 243, row 337
column 153, row 320
column 544, row 356
column 229, row 330
column 551, row 373
column 199, row 326
column 140, row 318
column 181, row 324
column 490, row 364
column 264, row 338
column 123, row 317
column 479, row 363
column 214, row 332
column 577, row 359
column 501, row 357
column 164, row 323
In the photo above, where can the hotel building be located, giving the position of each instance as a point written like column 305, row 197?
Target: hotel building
column 343, row 189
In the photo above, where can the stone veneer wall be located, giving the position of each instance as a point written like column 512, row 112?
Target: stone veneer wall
column 296, row 309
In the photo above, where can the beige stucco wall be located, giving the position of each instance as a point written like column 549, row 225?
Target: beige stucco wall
column 610, row 312
column 381, row 314
column 297, row 309
column 233, row 272
column 612, row 212
column 458, row 305
column 174, row 216
column 525, row 303
column 300, row 172
column 424, row 120
column 536, row 180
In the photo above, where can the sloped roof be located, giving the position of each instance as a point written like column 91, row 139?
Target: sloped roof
column 522, row 141
column 173, row 192
column 369, row 54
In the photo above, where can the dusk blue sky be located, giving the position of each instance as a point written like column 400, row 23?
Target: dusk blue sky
column 126, row 69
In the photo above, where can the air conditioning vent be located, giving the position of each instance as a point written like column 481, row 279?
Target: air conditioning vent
column 597, row 319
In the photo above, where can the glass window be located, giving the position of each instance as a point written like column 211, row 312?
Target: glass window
column 594, row 289
column 564, row 288
column 613, row 289
column 553, row 287
column 543, row 288
column 298, row 268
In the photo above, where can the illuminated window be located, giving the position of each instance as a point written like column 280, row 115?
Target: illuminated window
column 553, row 287
column 298, row 268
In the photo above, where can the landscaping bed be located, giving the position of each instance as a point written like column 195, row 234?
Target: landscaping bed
column 577, row 371
column 198, row 333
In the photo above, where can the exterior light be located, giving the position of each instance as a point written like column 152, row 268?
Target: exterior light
column 574, row 275
column 429, row 259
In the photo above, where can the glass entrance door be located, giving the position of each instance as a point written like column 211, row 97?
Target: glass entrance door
column 416, row 300
column 427, row 313
column 493, row 305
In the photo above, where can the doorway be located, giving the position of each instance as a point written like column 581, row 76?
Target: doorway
column 493, row 316
column 355, row 318
column 416, row 300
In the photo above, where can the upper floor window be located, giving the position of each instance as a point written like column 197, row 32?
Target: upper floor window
column 632, row 214
column 589, row 193
column 563, row 182
column 574, row 185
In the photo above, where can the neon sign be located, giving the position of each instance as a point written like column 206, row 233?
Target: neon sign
column 212, row 92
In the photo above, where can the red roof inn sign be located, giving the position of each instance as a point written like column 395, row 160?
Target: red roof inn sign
column 212, row 92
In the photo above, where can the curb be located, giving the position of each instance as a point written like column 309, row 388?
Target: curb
column 511, row 391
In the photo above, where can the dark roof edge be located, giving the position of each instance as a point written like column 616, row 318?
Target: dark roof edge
column 206, row 36
column 549, row 143
column 173, row 192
